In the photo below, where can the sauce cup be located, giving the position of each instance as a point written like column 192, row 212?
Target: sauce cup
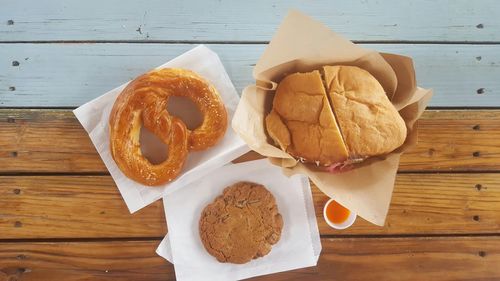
column 343, row 225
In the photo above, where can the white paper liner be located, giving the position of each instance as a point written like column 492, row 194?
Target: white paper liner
column 94, row 117
column 298, row 247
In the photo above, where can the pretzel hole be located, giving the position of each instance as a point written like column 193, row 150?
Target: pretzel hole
column 186, row 110
column 152, row 147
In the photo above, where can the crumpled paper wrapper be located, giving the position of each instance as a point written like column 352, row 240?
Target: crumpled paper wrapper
column 302, row 44
column 94, row 117
column 298, row 247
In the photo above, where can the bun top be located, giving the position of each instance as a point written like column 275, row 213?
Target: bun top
column 369, row 123
column 302, row 122
column 341, row 116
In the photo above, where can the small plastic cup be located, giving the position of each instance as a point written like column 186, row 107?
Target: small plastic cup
column 345, row 224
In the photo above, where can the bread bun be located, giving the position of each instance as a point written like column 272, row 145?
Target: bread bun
column 369, row 123
column 302, row 122
column 336, row 116
column 143, row 102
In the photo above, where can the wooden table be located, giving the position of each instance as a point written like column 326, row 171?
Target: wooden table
column 62, row 218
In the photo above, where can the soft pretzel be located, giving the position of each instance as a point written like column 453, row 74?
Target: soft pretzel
column 144, row 101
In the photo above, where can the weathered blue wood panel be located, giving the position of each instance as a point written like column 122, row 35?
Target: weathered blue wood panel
column 53, row 75
column 228, row 20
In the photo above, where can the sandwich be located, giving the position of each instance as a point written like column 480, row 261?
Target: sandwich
column 334, row 116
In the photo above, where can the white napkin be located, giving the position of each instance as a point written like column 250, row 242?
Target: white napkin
column 298, row 247
column 94, row 117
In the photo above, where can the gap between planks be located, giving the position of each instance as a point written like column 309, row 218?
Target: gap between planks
column 323, row 236
column 97, row 174
column 416, row 42
column 440, row 108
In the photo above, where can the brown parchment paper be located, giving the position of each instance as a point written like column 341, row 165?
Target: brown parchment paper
column 303, row 44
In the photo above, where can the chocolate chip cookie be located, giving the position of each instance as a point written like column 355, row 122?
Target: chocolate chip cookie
column 241, row 224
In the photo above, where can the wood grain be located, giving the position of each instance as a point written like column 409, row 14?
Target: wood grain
column 55, row 188
column 77, row 207
column 226, row 20
column 458, row 140
column 126, row 260
column 68, row 75
column 45, row 141
column 43, row 207
column 451, row 258
column 52, row 141
column 433, row 204
column 403, row 259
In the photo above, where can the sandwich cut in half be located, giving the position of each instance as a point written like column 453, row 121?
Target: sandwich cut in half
column 335, row 115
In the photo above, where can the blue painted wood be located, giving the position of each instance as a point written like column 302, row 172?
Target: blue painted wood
column 229, row 20
column 55, row 75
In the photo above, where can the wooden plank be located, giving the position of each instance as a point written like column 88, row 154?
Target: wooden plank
column 77, row 207
column 456, row 259
column 71, row 261
column 451, row 258
column 91, row 207
column 52, row 141
column 225, row 20
column 459, row 140
column 433, row 204
column 54, row 75
column 45, row 141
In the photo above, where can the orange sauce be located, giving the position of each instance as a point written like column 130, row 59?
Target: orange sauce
column 337, row 213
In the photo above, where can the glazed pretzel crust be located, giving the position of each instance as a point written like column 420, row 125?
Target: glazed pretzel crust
column 144, row 102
